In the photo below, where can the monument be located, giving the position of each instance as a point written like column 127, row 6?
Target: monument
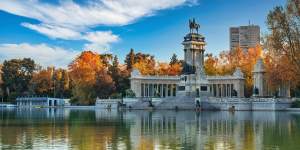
column 193, row 81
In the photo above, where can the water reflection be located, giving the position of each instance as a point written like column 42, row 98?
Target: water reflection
column 98, row 129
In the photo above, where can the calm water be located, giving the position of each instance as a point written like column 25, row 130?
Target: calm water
column 90, row 129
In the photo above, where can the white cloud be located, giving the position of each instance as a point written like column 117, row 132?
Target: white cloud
column 99, row 41
column 69, row 20
column 54, row 31
column 92, row 13
column 101, row 37
column 96, row 41
column 40, row 53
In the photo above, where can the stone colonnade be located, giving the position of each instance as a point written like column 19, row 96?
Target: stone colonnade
column 158, row 90
column 221, row 90
column 226, row 86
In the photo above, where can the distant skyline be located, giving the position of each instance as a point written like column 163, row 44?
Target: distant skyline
column 53, row 32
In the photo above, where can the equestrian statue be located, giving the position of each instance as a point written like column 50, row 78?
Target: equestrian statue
column 193, row 26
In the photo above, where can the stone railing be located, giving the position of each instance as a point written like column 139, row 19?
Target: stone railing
column 223, row 77
column 108, row 100
column 252, row 99
column 31, row 98
column 156, row 77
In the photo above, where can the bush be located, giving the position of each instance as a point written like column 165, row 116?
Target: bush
column 12, row 97
column 130, row 93
column 296, row 104
column 116, row 95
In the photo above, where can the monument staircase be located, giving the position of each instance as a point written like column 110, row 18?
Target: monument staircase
column 179, row 102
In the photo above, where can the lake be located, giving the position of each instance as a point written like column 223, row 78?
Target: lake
column 101, row 129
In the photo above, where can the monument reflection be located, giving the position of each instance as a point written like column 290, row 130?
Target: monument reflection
column 102, row 129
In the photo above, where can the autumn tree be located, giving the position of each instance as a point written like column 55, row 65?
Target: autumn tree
column 163, row 69
column 283, row 44
column 145, row 63
column 210, row 65
column 227, row 62
column 50, row 82
column 175, row 69
column 41, row 82
column 104, row 85
column 175, row 66
column 84, row 72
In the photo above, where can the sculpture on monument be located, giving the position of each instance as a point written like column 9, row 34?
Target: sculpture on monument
column 193, row 25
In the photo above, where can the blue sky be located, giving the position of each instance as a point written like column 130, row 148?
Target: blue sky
column 53, row 32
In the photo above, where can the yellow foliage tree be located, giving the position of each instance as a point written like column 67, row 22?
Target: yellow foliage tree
column 227, row 62
column 41, row 82
column 83, row 71
column 175, row 69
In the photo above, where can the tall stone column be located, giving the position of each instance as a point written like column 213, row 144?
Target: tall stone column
column 222, row 92
column 161, row 90
column 230, row 90
column 144, row 88
column 171, row 88
column 227, row 87
column 225, row 90
column 217, row 90
column 148, row 90
column 152, row 90
column 165, row 90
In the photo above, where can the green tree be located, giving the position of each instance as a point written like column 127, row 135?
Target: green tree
column 16, row 76
column 106, row 59
column 61, row 83
column 120, row 77
column 130, row 59
column 174, row 60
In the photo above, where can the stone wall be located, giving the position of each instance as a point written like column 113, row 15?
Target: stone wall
column 108, row 103
column 189, row 103
column 246, row 103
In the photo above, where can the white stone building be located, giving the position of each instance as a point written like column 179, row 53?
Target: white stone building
column 193, row 82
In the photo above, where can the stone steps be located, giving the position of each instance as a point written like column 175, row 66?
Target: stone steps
column 177, row 103
column 166, row 103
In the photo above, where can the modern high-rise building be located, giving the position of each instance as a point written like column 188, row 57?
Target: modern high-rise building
column 244, row 36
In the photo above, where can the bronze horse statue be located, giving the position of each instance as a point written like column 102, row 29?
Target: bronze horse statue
column 193, row 25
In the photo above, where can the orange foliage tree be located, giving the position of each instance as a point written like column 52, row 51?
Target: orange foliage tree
column 283, row 46
column 50, row 82
column 145, row 63
column 87, row 72
column 227, row 62
column 168, row 69
column 41, row 82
